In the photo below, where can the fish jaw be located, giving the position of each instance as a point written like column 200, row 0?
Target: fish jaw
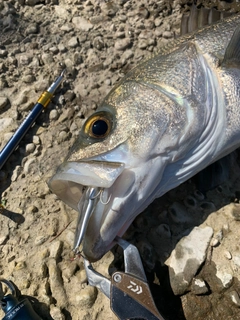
column 72, row 177
column 124, row 191
column 134, row 189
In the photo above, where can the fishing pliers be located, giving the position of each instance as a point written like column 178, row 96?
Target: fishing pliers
column 129, row 293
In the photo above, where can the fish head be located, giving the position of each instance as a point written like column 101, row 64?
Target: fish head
column 118, row 154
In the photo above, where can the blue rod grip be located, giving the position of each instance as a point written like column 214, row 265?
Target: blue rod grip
column 43, row 101
column 19, row 134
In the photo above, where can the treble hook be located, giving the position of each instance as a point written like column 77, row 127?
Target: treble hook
column 101, row 197
column 92, row 194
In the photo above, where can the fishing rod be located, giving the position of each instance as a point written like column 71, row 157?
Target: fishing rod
column 42, row 103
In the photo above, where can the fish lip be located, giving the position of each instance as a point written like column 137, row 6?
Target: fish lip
column 71, row 177
column 112, row 219
column 99, row 249
column 69, row 183
column 94, row 247
column 94, row 251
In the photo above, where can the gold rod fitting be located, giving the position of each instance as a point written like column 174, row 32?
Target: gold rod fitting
column 45, row 98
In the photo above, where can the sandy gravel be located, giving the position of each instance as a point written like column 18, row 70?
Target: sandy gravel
column 98, row 42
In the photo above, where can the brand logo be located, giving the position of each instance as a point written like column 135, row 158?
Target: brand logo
column 135, row 288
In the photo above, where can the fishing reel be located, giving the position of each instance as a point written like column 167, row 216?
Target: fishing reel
column 14, row 308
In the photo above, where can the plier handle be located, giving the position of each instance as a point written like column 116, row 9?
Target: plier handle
column 129, row 293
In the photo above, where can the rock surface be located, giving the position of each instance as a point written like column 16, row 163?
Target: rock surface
column 98, row 42
column 187, row 257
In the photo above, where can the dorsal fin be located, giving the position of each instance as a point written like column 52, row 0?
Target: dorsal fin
column 232, row 54
column 198, row 18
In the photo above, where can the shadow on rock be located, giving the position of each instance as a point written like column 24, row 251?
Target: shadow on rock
column 168, row 304
column 15, row 217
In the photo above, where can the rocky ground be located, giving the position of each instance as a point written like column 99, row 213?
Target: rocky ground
column 195, row 234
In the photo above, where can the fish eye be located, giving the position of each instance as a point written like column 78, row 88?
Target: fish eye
column 98, row 126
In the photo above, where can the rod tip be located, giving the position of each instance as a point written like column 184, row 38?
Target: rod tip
column 62, row 73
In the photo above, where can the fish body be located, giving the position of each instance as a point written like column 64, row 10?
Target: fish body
column 166, row 120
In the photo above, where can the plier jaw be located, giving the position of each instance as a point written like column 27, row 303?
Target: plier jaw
column 129, row 293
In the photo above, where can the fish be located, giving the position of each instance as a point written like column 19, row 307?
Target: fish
column 167, row 119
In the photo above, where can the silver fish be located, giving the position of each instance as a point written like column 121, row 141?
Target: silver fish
column 166, row 120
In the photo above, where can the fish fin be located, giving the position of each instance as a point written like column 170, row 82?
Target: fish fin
column 232, row 54
column 214, row 175
column 189, row 21
column 198, row 18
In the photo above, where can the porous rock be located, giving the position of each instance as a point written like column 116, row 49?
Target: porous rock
column 187, row 257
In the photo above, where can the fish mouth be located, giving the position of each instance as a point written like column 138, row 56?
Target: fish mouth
column 98, row 191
